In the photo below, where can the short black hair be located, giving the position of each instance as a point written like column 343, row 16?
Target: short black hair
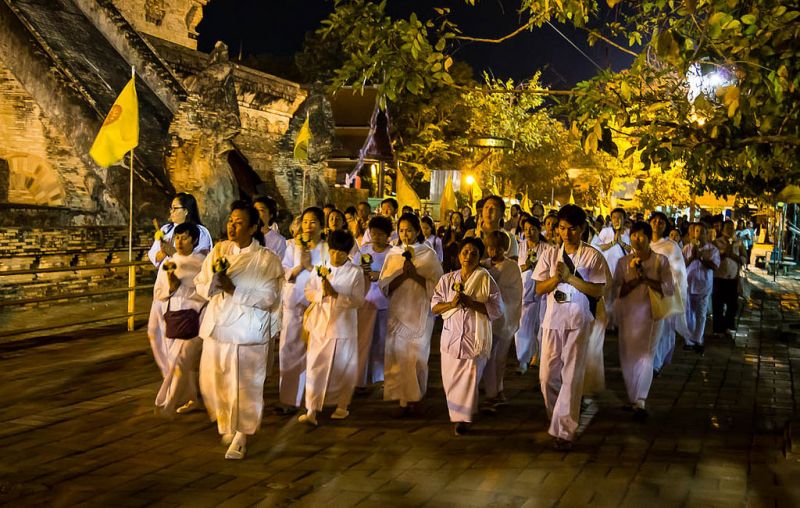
column 573, row 214
column 427, row 220
column 252, row 215
column 382, row 223
column 620, row 210
column 408, row 209
column 271, row 205
column 533, row 221
column 392, row 202
column 316, row 212
column 473, row 240
column 341, row 239
column 479, row 203
column 498, row 200
column 351, row 210
column 188, row 227
column 365, row 203
column 642, row 226
column 341, row 214
column 329, row 205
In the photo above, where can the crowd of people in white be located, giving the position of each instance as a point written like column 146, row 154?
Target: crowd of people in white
column 352, row 299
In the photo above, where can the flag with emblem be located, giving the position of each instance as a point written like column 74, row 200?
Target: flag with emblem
column 301, row 141
column 119, row 133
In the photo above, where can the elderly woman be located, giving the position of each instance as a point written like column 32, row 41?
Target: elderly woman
column 182, row 210
column 468, row 300
column 242, row 282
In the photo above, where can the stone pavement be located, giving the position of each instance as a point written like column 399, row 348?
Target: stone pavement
column 78, row 428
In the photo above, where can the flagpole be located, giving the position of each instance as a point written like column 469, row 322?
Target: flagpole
column 305, row 169
column 131, row 269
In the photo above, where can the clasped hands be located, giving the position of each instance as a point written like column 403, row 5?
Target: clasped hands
column 220, row 282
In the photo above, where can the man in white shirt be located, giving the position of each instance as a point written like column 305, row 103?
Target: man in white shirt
column 573, row 277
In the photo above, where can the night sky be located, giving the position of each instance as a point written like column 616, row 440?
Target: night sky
column 277, row 27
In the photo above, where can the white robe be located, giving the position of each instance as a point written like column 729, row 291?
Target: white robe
column 527, row 340
column 275, row 242
column 410, row 324
column 155, row 323
column 612, row 257
column 594, row 378
column 372, row 317
column 638, row 331
column 463, row 359
column 677, row 322
column 292, row 349
column 332, row 358
column 509, row 280
column 236, row 330
column 180, row 384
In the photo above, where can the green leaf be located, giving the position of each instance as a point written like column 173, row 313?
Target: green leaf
column 748, row 19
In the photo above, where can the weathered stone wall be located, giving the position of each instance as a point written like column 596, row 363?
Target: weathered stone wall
column 173, row 20
column 36, row 248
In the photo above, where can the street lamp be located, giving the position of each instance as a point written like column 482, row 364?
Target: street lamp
column 470, row 180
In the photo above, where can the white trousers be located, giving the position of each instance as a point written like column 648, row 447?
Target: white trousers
column 232, row 383
column 460, row 379
column 180, row 385
column 526, row 340
column 561, row 377
column 292, row 357
column 331, row 372
column 406, row 362
column 696, row 312
column 665, row 345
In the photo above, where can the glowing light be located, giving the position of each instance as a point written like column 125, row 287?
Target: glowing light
column 469, row 179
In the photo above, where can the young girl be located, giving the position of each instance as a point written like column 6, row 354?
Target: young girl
column 336, row 290
column 527, row 339
column 506, row 273
column 304, row 253
column 433, row 241
column 468, row 300
column 372, row 316
column 175, row 287
column 408, row 278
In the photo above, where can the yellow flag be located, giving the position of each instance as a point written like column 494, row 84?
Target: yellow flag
column 495, row 192
column 448, row 201
column 477, row 195
column 571, row 198
column 120, row 131
column 526, row 204
column 301, row 142
column 405, row 193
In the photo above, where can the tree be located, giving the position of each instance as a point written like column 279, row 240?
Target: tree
column 741, row 137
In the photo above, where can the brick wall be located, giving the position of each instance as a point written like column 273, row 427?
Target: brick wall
column 32, row 248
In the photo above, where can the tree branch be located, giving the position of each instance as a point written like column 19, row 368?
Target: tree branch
column 534, row 91
column 501, row 39
column 610, row 42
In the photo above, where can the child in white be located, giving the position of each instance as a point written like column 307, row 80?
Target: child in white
column 175, row 287
column 336, row 291
column 373, row 315
column 636, row 275
column 702, row 258
column 506, row 273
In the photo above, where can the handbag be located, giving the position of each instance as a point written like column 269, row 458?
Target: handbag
column 660, row 306
column 181, row 324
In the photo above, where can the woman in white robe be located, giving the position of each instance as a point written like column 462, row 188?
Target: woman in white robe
column 183, row 209
column 527, row 340
column 636, row 275
column 408, row 278
column 662, row 244
column 468, row 300
column 429, row 233
column 242, row 282
column 373, row 315
column 506, row 273
column 175, row 287
column 305, row 252
column 332, row 323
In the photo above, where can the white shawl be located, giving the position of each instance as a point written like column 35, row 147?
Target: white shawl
column 670, row 250
column 477, row 288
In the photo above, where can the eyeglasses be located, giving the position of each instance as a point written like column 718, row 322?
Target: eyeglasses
column 175, row 208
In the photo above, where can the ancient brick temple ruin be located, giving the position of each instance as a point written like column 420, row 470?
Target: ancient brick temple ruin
column 208, row 126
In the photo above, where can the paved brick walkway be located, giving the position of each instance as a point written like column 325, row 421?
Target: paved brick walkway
column 77, row 427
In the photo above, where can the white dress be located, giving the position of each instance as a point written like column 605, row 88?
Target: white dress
column 155, row 323
column 677, row 322
column 292, row 348
column 180, row 384
column 332, row 343
column 528, row 338
column 509, row 280
column 410, row 324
